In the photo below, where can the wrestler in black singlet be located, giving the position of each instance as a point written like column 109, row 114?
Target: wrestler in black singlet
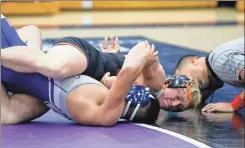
column 98, row 62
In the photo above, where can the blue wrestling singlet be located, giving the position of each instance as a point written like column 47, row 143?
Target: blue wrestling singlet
column 43, row 88
column 52, row 92
column 20, row 82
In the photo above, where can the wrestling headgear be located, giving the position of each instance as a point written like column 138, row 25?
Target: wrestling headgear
column 138, row 96
column 179, row 81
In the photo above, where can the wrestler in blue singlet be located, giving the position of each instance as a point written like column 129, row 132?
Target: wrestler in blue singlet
column 52, row 92
column 13, row 81
column 26, row 83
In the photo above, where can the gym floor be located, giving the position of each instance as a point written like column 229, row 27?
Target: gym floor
column 193, row 30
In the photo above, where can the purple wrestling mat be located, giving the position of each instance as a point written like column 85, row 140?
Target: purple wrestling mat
column 52, row 131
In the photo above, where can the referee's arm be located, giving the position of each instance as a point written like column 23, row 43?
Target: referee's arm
column 227, row 61
column 238, row 102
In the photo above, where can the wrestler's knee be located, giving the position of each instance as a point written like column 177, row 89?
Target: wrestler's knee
column 31, row 107
column 31, row 35
column 8, row 119
column 5, row 109
column 34, row 29
column 7, row 116
column 21, row 108
column 31, row 28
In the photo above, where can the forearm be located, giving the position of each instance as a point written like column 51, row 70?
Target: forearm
column 149, row 70
column 123, row 82
column 115, row 103
column 154, row 76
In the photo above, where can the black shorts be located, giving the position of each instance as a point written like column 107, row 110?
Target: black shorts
column 98, row 63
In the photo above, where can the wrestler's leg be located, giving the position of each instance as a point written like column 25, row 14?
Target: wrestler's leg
column 31, row 35
column 67, row 60
column 19, row 108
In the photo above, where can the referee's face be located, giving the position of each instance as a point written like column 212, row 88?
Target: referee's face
column 196, row 68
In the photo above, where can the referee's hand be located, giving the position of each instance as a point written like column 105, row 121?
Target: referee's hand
column 218, row 107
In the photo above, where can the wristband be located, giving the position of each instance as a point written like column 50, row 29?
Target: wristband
column 237, row 103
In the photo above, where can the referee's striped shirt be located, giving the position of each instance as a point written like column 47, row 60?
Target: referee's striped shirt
column 227, row 62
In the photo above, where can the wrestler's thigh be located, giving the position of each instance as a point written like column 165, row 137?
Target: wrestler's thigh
column 71, row 57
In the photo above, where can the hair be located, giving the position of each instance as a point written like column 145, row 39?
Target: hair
column 183, row 61
column 196, row 93
column 147, row 114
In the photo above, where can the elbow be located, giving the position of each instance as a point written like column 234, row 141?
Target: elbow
column 10, row 119
column 109, row 119
column 108, row 122
column 104, row 122
column 96, row 120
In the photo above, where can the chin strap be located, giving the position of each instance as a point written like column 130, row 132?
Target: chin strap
column 158, row 93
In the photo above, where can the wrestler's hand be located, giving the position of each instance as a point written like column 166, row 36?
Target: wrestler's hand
column 140, row 55
column 110, row 45
column 108, row 80
column 218, row 107
column 152, row 56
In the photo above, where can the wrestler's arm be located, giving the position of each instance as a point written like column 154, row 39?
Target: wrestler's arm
column 111, row 110
column 154, row 75
column 219, row 63
column 19, row 108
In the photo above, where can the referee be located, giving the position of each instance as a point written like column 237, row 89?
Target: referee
column 224, row 64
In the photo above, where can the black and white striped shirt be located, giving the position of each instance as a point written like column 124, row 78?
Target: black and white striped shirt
column 227, row 62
